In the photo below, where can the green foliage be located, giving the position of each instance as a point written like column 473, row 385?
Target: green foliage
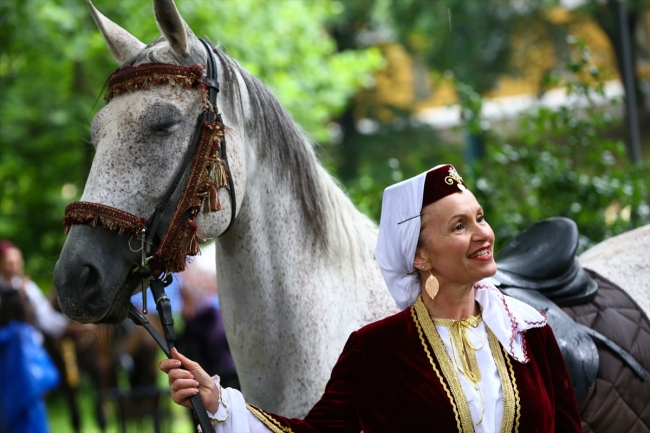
column 562, row 163
column 54, row 64
column 285, row 44
column 472, row 38
column 393, row 153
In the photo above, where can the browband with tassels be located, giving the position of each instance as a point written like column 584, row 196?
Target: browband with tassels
column 208, row 172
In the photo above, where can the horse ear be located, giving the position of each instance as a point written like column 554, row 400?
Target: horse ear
column 178, row 33
column 122, row 44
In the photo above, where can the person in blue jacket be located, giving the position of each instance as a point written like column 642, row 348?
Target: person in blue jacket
column 26, row 371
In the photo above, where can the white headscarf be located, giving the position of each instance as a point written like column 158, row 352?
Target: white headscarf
column 399, row 229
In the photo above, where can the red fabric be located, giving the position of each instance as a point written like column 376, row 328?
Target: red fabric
column 383, row 382
column 439, row 184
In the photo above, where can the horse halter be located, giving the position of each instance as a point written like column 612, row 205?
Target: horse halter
column 205, row 158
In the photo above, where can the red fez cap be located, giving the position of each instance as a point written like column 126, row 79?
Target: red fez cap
column 441, row 182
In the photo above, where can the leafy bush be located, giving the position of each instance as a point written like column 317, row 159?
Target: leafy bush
column 562, row 163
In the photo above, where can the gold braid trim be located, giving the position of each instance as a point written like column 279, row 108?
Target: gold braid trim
column 509, row 404
column 268, row 421
column 514, row 387
column 466, row 425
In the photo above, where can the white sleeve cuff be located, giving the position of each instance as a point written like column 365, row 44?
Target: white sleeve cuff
column 232, row 416
column 221, row 415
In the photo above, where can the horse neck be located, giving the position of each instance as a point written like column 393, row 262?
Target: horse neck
column 271, row 257
column 271, row 219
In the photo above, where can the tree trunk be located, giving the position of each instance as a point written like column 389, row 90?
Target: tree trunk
column 607, row 17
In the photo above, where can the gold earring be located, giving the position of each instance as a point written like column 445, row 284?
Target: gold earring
column 431, row 285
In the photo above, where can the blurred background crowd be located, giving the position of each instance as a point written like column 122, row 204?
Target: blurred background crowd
column 99, row 378
column 526, row 97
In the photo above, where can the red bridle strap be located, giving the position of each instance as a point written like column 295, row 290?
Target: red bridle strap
column 132, row 78
column 207, row 175
column 97, row 214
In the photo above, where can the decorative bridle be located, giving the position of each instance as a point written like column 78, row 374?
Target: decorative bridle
column 206, row 159
column 207, row 163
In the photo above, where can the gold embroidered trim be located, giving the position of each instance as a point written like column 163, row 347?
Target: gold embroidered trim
column 514, row 387
column 268, row 421
column 467, row 425
column 435, row 369
column 509, row 405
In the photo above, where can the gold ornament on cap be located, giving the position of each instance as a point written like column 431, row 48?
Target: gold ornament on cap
column 454, row 176
column 431, row 285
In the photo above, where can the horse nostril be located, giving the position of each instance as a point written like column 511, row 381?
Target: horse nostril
column 89, row 277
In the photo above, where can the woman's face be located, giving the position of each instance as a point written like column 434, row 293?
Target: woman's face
column 456, row 241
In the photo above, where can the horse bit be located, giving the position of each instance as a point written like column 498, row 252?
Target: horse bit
column 208, row 167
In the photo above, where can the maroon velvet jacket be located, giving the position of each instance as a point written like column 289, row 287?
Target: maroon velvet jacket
column 384, row 382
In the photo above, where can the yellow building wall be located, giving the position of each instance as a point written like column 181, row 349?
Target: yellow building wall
column 533, row 54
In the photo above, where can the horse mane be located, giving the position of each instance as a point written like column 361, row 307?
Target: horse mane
column 327, row 212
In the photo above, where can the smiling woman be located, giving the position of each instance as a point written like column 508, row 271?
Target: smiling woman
column 477, row 360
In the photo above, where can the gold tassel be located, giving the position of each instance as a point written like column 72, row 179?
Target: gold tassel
column 212, row 203
column 216, row 179
column 193, row 245
column 219, row 174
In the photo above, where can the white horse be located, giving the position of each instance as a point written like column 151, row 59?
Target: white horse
column 296, row 270
column 624, row 259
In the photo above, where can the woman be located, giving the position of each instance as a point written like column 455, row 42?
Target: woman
column 460, row 357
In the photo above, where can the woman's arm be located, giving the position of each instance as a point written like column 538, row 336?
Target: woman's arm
column 335, row 412
column 226, row 407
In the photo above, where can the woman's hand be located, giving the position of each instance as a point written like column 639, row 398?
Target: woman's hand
column 188, row 381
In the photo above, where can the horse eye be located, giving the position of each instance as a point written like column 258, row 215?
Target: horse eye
column 165, row 128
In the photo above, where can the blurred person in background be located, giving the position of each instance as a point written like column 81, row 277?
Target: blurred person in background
column 204, row 336
column 46, row 318
column 26, row 371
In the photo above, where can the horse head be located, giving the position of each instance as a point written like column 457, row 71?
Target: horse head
column 141, row 138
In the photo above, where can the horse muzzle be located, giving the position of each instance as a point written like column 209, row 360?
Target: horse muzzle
column 92, row 277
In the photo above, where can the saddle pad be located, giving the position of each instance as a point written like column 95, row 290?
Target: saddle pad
column 618, row 401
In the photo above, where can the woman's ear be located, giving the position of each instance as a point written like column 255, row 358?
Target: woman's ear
column 420, row 261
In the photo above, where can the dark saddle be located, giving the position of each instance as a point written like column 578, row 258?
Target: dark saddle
column 543, row 258
column 539, row 267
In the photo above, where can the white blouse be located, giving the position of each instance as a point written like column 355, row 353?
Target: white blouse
column 490, row 384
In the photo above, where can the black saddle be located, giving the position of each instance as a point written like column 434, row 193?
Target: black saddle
column 539, row 267
column 543, row 258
